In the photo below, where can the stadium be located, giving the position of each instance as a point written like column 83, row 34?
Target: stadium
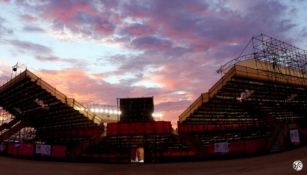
column 257, row 107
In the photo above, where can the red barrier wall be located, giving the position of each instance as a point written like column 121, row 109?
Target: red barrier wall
column 178, row 153
column 13, row 149
column 209, row 150
column 159, row 127
column 26, row 150
column 58, row 151
column 237, row 147
column 199, row 128
column 78, row 133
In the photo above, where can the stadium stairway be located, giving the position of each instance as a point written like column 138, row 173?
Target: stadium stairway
column 194, row 142
column 277, row 141
column 13, row 130
column 82, row 146
column 9, row 124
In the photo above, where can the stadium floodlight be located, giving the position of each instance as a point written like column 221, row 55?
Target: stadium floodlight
column 111, row 112
column 157, row 115
column 104, row 110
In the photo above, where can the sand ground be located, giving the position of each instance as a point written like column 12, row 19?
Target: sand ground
column 276, row 164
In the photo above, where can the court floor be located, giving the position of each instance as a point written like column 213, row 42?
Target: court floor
column 280, row 163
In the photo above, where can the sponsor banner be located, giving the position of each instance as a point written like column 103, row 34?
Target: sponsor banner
column 295, row 137
column 221, row 147
column 3, row 147
column 44, row 150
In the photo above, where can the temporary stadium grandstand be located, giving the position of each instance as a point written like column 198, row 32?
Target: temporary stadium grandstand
column 257, row 107
column 56, row 119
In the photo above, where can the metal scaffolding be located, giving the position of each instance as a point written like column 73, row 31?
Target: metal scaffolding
column 272, row 50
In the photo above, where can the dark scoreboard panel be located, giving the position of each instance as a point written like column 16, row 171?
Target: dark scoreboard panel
column 136, row 109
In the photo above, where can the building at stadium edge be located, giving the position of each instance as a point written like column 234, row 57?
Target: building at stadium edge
column 258, row 106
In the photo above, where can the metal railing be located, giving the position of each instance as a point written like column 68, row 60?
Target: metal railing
column 206, row 96
column 194, row 106
column 59, row 95
column 269, row 75
column 64, row 99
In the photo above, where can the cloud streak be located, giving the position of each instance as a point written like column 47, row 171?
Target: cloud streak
column 33, row 29
column 26, row 46
column 4, row 30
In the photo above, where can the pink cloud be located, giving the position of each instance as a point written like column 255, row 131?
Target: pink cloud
column 180, row 77
column 82, row 88
column 65, row 11
column 5, row 73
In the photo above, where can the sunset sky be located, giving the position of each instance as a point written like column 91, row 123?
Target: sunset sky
column 100, row 50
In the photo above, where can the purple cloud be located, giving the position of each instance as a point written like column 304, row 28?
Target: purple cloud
column 136, row 30
column 151, row 43
column 25, row 46
column 72, row 62
column 54, row 58
column 194, row 24
column 81, row 17
column 33, row 29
